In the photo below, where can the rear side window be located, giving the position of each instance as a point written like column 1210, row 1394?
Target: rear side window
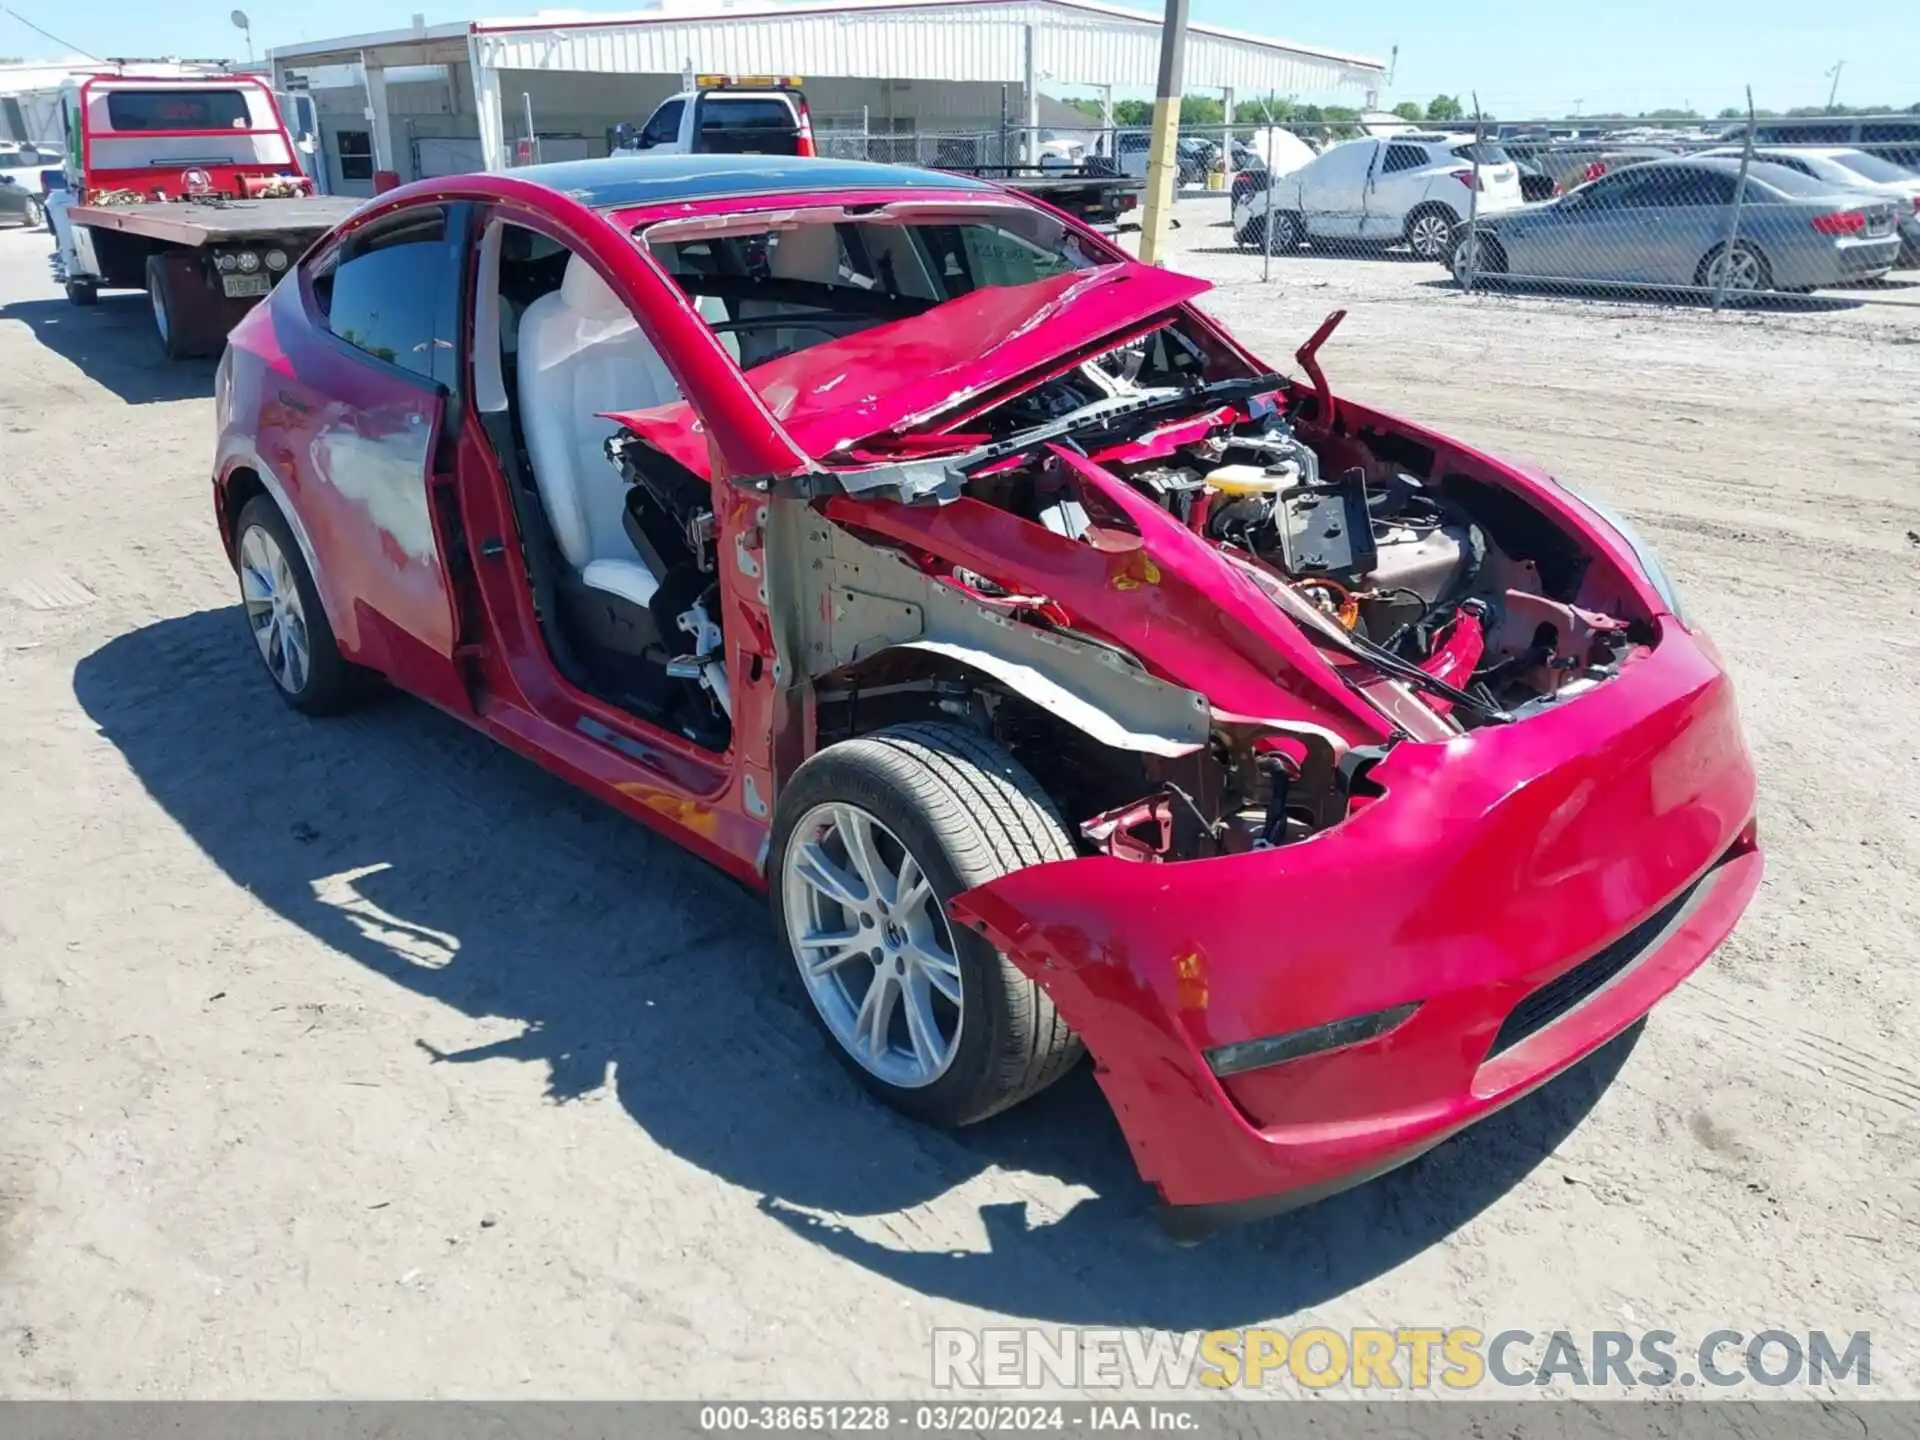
column 1788, row 182
column 392, row 294
column 177, row 110
column 1872, row 167
column 1403, row 157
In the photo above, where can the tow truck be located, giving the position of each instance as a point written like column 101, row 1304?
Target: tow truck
column 189, row 188
column 767, row 115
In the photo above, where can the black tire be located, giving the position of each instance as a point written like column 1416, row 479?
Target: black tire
column 82, row 293
column 35, row 216
column 176, row 325
column 331, row 684
column 1763, row 269
column 967, row 812
column 1427, row 240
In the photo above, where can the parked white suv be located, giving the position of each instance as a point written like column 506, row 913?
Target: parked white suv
column 1404, row 188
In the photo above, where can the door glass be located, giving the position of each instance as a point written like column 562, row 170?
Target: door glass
column 1403, row 157
column 663, row 128
column 392, row 295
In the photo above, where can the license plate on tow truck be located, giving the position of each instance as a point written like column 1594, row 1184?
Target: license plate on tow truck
column 238, row 287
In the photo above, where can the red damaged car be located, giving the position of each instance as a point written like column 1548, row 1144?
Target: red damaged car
column 1068, row 677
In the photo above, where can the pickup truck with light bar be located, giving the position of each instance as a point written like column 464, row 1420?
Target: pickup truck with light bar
column 187, row 188
column 768, row 115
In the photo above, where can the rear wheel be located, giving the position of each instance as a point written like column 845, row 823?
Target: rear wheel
column 177, row 320
column 1430, row 233
column 872, row 838
column 284, row 615
column 1743, row 269
column 35, row 216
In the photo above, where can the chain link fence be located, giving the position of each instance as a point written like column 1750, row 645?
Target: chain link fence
column 1812, row 211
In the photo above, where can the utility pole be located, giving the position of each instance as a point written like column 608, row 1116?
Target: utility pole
column 1834, row 93
column 1162, row 167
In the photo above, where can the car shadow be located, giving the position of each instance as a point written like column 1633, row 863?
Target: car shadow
column 114, row 345
column 431, row 857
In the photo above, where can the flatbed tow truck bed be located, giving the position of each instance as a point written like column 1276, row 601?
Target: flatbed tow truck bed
column 201, row 222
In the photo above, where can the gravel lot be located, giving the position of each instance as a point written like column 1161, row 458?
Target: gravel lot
column 361, row 1058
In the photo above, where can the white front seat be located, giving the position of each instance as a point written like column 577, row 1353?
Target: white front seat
column 580, row 353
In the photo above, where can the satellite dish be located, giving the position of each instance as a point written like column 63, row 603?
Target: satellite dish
column 239, row 18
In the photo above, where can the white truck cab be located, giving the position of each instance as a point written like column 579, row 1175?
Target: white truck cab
column 727, row 114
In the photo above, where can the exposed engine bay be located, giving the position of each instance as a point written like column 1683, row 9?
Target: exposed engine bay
column 1447, row 601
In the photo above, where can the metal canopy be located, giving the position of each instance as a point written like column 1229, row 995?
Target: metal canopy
column 1076, row 42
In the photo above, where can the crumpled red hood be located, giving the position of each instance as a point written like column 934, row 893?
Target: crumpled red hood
column 906, row 372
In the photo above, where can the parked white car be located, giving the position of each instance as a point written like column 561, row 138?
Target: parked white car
column 1407, row 188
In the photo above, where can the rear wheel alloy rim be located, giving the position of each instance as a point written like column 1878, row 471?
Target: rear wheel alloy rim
column 1740, row 270
column 872, row 945
column 160, row 316
column 1429, row 236
column 274, row 611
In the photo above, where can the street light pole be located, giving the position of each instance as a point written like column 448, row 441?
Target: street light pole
column 1834, row 93
column 1162, row 165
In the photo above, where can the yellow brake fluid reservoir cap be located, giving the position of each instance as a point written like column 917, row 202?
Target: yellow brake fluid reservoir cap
column 1245, row 480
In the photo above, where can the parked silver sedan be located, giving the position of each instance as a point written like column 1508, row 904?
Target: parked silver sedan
column 1855, row 169
column 1665, row 223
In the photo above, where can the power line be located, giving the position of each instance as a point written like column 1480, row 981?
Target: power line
column 71, row 49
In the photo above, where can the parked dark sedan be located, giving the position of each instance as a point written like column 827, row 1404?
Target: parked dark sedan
column 20, row 205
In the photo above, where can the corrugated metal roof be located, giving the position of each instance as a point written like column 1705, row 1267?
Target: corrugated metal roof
column 1076, row 42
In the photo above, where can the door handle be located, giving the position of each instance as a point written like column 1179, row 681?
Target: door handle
column 492, row 548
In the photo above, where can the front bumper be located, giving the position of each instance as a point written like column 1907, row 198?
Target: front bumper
column 1614, row 832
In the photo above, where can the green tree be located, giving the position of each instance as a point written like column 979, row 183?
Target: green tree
column 1407, row 110
column 1133, row 112
column 1444, row 107
column 1089, row 108
column 1202, row 110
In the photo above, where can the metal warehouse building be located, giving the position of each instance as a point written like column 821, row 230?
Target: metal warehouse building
column 441, row 99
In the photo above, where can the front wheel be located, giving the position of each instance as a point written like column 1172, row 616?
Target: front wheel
column 872, row 838
column 1486, row 255
column 35, row 215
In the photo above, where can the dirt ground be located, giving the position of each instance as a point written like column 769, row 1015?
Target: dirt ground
column 362, row 1058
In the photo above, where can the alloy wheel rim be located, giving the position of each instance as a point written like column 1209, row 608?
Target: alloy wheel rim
column 1429, row 235
column 1741, row 270
column 160, row 316
column 274, row 612
column 873, row 946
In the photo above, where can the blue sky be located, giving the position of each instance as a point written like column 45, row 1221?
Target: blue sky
column 1525, row 57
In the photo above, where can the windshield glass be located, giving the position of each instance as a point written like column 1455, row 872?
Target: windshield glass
column 770, row 290
column 1872, row 167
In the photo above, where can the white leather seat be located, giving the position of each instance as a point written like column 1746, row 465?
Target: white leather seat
column 580, row 353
